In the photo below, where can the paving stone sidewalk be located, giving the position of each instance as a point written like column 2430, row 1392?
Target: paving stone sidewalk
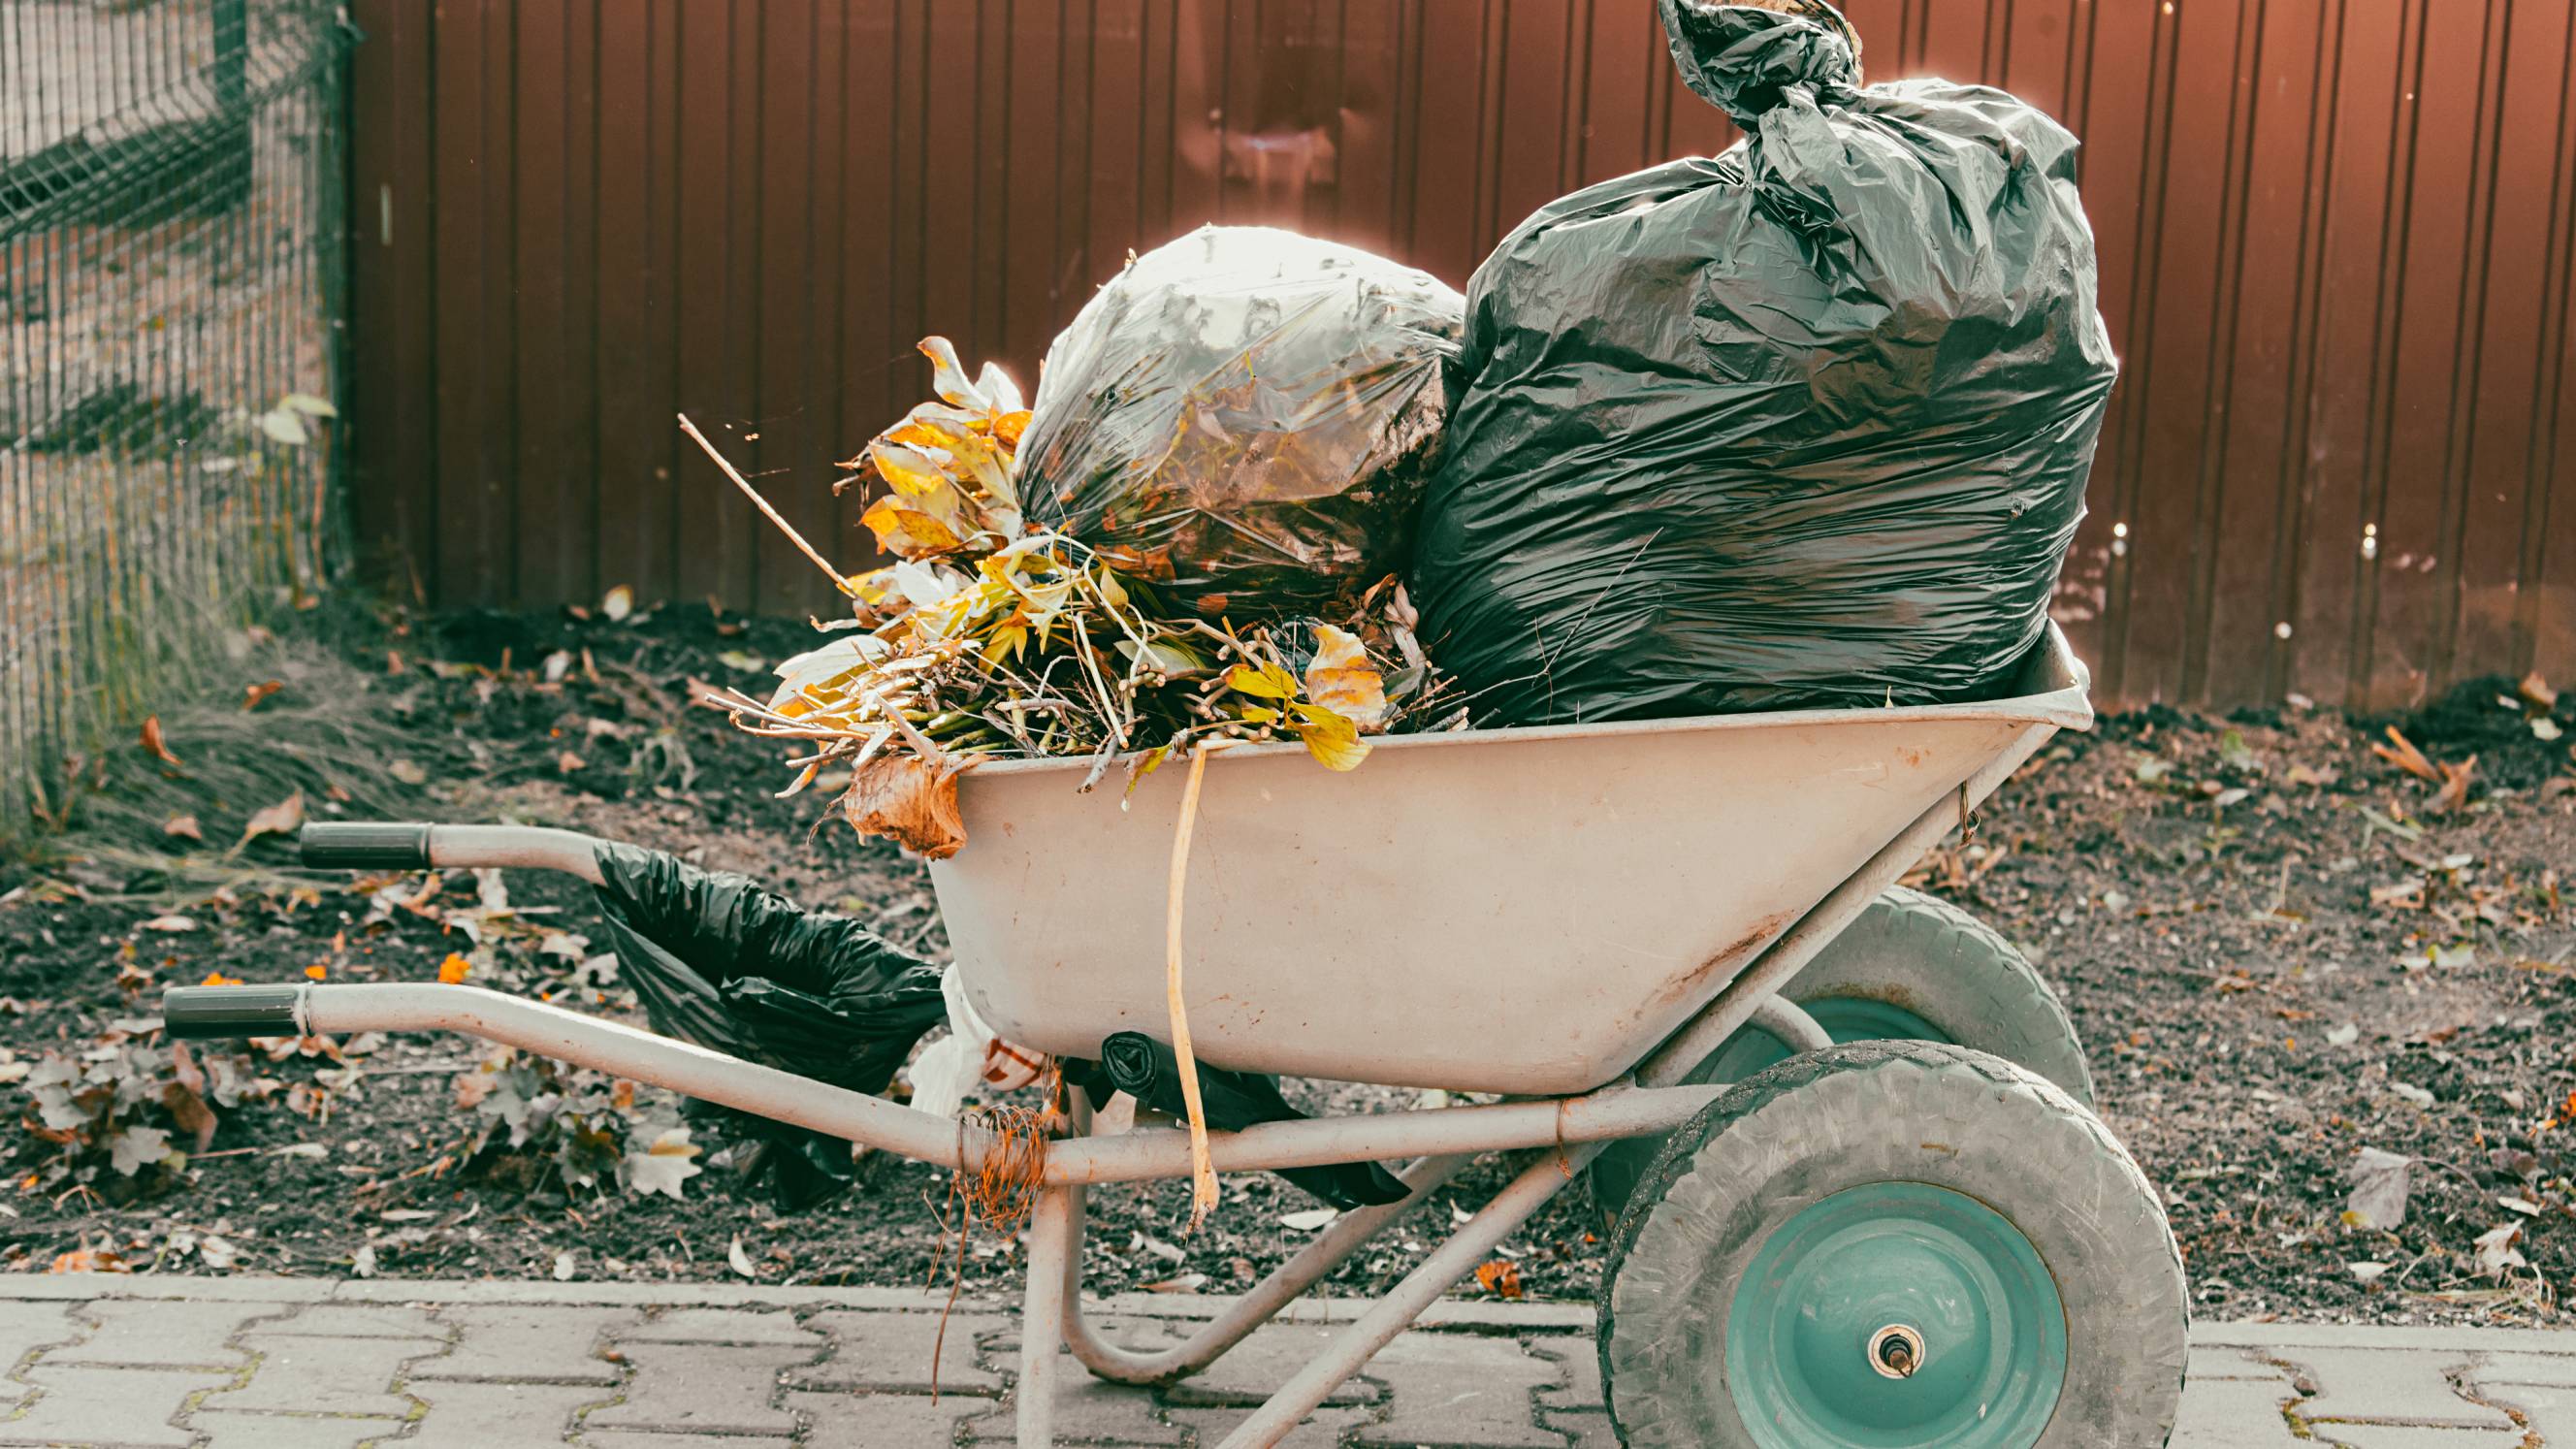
column 249, row 1363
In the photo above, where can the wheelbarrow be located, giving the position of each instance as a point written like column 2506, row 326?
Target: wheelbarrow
column 1864, row 1201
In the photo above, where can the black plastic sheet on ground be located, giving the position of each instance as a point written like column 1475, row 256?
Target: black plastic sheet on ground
column 719, row 961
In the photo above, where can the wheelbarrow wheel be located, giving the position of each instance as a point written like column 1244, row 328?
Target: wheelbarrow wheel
column 1911, row 968
column 1894, row 1244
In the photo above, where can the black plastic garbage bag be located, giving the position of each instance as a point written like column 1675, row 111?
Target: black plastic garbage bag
column 718, row 961
column 1244, row 420
column 1148, row 1071
column 1807, row 424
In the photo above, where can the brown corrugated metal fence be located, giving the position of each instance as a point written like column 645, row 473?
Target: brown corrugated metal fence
column 2336, row 244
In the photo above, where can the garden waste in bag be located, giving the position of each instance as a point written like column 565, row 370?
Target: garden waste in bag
column 1243, row 419
column 1150, row 1072
column 1806, row 424
column 718, row 961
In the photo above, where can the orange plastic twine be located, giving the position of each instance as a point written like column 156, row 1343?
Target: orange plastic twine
column 1202, row 1171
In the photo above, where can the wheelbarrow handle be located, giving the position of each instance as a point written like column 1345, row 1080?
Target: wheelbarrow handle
column 366, row 845
column 231, row 1013
column 412, row 845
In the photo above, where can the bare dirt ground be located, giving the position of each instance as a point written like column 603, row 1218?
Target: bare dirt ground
column 2301, row 970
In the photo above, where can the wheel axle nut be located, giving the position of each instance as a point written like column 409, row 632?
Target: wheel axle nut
column 1896, row 1351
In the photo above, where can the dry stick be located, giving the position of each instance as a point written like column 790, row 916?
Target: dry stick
column 838, row 583
column 1202, row 1171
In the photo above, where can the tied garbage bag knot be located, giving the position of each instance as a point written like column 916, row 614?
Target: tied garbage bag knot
column 1150, row 1072
column 1747, row 60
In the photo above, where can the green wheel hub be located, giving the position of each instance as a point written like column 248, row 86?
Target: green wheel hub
column 1896, row 1315
column 1844, row 1018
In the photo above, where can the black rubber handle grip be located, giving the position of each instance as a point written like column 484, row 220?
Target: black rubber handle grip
column 229, row 1013
column 366, row 845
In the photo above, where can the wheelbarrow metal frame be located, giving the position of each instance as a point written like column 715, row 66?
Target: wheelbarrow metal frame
column 1569, row 1129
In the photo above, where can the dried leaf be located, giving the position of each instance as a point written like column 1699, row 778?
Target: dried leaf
column 2455, row 786
column 136, row 1148
column 1311, row 1220
column 564, row 1266
column 253, row 694
column 909, row 800
column 2495, row 1252
column 89, row 1260
column 1341, row 679
column 1330, row 738
column 664, row 1165
column 618, row 603
column 1501, row 1277
column 183, row 826
column 153, row 744
column 739, row 1260
column 170, row 925
column 453, row 970
column 2536, row 692
column 283, row 818
column 190, row 1111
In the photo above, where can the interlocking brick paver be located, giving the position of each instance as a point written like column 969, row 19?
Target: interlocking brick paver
column 704, row 1388
column 26, row 1327
column 720, row 1325
column 326, row 1375
column 640, row 1440
column 1579, row 1374
column 1587, row 1431
column 868, row 1421
column 1088, row 1411
column 526, row 1345
column 288, row 1431
column 489, row 1416
column 2371, row 1383
column 890, row 1352
column 2415, row 1436
column 115, row 1406
column 2526, row 1368
column 163, row 1335
column 1453, row 1389
column 2548, row 1410
column 356, row 1320
column 2237, row 1414
column 2210, row 1364
column 1322, row 1430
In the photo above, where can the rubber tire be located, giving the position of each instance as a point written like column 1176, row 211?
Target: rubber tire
column 1933, row 959
column 1872, row 1112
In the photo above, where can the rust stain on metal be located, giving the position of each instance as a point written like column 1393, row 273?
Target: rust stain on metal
column 1696, row 985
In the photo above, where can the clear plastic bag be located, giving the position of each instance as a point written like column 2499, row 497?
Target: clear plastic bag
column 1244, row 419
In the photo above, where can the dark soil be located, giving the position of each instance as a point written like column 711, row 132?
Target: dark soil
column 2278, row 953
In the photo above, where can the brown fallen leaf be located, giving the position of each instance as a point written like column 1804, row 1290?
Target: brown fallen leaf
column 2454, row 793
column 2537, row 693
column 254, row 694
column 283, row 818
column 89, row 1260
column 153, row 744
column 1501, row 1277
column 190, row 1111
column 910, row 801
column 183, row 826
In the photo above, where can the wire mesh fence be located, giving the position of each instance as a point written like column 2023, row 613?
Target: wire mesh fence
column 171, row 268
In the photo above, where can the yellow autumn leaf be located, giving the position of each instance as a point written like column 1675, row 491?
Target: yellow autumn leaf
column 1341, row 679
column 1330, row 738
column 908, row 532
column 453, row 970
column 1267, row 682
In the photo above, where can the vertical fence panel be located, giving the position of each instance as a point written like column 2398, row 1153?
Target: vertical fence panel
column 2334, row 235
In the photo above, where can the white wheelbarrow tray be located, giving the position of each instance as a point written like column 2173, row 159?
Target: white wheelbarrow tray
column 1526, row 911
